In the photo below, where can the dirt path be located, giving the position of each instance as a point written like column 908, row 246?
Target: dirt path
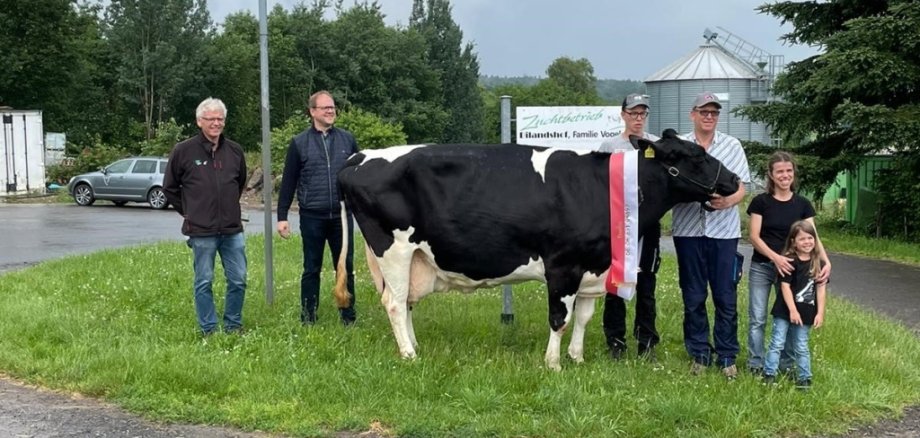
column 27, row 411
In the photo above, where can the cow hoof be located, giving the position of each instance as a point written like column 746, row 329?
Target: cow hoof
column 577, row 357
column 408, row 355
column 553, row 363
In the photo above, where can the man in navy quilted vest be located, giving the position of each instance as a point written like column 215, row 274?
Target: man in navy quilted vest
column 313, row 160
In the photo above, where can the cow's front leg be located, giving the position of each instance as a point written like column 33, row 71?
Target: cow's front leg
column 560, row 310
column 584, row 310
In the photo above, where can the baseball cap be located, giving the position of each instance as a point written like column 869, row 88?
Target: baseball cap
column 706, row 98
column 634, row 100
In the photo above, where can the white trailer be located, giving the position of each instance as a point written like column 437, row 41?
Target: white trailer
column 22, row 152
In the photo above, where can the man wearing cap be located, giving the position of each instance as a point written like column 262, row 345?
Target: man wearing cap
column 706, row 241
column 635, row 111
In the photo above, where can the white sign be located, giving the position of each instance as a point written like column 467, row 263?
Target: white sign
column 570, row 127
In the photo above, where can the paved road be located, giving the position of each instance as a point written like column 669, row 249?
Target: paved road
column 32, row 233
column 36, row 232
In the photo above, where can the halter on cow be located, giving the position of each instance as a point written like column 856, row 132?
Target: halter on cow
column 461, row 217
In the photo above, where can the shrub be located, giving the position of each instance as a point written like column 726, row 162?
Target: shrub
column 370, row 131
column 91, row 158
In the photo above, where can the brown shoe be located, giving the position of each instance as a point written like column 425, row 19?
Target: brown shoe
column 730, row 372
column 697, row 368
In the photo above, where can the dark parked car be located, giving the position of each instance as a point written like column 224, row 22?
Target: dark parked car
column 137, row 179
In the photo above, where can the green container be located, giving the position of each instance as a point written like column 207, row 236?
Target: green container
column 861, row 192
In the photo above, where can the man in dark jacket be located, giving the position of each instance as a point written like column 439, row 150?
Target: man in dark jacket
column 204, row 180
column 314, row 158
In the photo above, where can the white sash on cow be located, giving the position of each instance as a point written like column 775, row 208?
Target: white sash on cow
column 624, row 224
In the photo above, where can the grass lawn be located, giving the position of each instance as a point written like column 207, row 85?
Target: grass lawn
column 120, row 325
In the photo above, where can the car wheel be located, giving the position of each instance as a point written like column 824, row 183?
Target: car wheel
column 157, row 198
column 83, row 195
column 120, row 203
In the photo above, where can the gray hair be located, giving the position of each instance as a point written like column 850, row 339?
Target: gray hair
column 210, row 104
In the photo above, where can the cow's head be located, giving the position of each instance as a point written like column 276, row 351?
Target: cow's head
column 693, row 175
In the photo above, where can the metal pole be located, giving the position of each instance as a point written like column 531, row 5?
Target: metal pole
column 507, row 310
column 25, row 140
column 266, row 153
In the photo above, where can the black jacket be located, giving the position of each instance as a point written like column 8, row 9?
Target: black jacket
column 310, row 168
column 205, row 186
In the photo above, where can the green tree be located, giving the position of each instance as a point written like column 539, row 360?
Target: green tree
column 385, row 70
column 51, row 53
column 457, row 66
column 158, row 49
column 236, row 78
column 575, row 77
column 300, row 58
column 167, row 135
column 859, row 97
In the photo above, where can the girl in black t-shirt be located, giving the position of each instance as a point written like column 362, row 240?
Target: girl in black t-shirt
column 801, row 306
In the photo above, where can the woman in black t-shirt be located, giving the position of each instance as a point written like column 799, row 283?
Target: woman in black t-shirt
column 772, row 213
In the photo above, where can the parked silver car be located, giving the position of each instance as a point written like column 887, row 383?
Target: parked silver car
column 137, row 179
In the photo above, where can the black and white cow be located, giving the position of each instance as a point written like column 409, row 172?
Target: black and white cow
column 461, row 217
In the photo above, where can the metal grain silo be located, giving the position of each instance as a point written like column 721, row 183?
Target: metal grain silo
column 737, row 72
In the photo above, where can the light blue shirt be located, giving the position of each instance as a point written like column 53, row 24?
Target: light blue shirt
column 690, row 219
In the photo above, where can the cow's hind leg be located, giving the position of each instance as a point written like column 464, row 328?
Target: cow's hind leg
column 584, row 310
column 395, row 298
column 397, row 310
column 422, row 277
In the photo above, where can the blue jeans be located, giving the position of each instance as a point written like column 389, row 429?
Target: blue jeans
column 232, row 250
column 703, row 261
column 315, row 234
column 761, row 278
column 783, row 331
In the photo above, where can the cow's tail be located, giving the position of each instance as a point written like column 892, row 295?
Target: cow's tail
column 342, row 296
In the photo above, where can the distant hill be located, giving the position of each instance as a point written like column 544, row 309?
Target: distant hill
column 490, row 82
column 614, row 90
column 611, row 91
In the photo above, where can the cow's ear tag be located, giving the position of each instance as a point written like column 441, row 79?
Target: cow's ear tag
column 649, row 152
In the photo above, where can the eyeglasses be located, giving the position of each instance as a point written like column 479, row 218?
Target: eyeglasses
column 637, row 115
column 325, row 108
column 213, row 119
column 708, row 113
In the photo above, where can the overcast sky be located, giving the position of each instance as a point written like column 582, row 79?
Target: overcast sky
column 621, row 39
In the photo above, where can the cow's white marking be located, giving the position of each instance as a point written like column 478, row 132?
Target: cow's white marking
column 390, row 154
column 449, row 280
column 593, row 286
column 539, row 158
